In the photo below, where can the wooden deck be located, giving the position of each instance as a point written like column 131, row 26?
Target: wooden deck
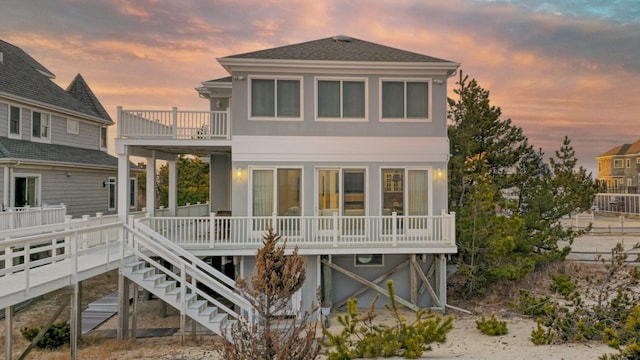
column 24, row 285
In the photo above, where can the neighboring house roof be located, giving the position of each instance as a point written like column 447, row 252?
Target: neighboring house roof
column 339, row 48
column 23, row 150
column 81, row 91
column 22, row 76
column 624, row 149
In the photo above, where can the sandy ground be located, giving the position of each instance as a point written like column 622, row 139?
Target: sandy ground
column 464, row 341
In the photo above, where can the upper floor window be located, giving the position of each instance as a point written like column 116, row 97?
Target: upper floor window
column 628, row 163
column 40, row 126
column 405, row 99
column 73, row 126
column 103, row 137
column 617, row 163
column 14, row 122
column 341, row 99
column 275, row 98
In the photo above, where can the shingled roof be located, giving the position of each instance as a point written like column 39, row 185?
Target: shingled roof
column 22, row 76
column 40, row 152
column 339, row 48
column 624, row 149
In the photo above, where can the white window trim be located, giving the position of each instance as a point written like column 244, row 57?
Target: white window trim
column 276, row 78
column 251, row 169
column 628, row 161
column 106, row 143
column 367, row 264
column 133, row 187
column 341, row 169
column 112, row 180
column 72, row 121
column 429, row 82
column 341, row 80
column 621, row 164
column 10, row 134
column 38, row 201
column 41, row 139
column 405, row 195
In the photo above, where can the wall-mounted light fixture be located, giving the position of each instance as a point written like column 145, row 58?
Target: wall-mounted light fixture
column 104, row 184
column 439, row 174
column 438, row 82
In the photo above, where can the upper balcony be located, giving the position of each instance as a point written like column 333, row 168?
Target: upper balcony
column 174, row 124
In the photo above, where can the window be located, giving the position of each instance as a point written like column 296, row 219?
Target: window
column 14, row 122
column 405, row 191
column 275, row 98
column 132, row 192
column 350, row 201
column 277, row 191
column 628, row 163
column 629, row 182
column 341, row 99
column 405, row 100
column 111, row 193
column 103, row 137
column 369, row 260
column 617, row 163
column 39, row 126
column 26, row 190
column 73, row 126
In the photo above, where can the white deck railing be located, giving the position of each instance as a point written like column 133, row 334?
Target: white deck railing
column 29, row 250
column 617, row 203
column 174, row 124
column 308, row 231
column 15, row 218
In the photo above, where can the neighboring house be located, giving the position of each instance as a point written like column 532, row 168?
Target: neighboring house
column 53, row 142
column 339, row 144
column 619, row 169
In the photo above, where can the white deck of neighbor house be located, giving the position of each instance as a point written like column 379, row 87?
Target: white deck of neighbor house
column 78, row 257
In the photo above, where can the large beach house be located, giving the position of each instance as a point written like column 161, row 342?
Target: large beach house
column 338, row 144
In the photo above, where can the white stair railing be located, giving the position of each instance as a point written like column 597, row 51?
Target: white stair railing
column 147, row 245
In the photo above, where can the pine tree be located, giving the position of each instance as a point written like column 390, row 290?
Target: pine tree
column 274, row 335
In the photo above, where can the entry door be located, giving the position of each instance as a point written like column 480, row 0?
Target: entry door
column 26, row 191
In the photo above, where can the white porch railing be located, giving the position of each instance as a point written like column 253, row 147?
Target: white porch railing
column 308, row 231
column 617, row 203
column 26, row 253
column 174, row 124
column 15, row 218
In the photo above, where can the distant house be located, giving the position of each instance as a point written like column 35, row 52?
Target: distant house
column 339, row 144
column 618, row 169
column 53, row 142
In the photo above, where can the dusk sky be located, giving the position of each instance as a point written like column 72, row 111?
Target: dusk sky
column 556, row 68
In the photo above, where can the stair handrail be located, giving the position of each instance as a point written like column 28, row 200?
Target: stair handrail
column 184, row 253
column 199, row 270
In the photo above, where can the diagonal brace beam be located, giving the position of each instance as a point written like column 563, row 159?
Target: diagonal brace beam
column 370, row 284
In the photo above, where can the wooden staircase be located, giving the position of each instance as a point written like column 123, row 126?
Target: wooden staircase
column 178, row 278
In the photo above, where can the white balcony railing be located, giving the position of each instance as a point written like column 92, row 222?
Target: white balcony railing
column 174, row 124
column 16, row 218
column 308, row 232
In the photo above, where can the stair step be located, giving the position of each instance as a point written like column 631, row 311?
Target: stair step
column 221, row 317
column 145, row 272
column 156, row 279
column 209, row 311
column 134, row 265
column 166, row 285
column 198, row 305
